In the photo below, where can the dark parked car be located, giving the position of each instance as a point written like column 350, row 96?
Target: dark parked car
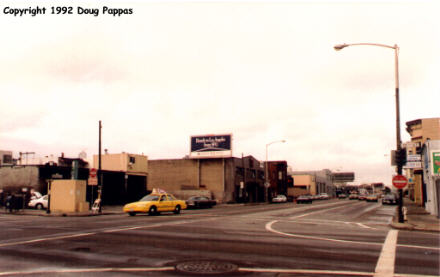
column 304, row 199
column 342, row 196
column 353, row 196
column 200, row 202
column 389, row 199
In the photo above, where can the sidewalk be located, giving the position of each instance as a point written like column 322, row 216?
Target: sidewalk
column 417, row 219
column 106, row 210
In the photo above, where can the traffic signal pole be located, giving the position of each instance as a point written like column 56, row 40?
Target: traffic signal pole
column 398, row 139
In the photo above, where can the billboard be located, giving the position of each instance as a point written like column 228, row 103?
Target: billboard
column 435, row 156
column 211, row 146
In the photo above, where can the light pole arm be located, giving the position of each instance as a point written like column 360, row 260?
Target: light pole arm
column 341, row 46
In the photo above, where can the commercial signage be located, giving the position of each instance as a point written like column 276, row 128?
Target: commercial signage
column 413, row 158
column 435, row 155
column 413, row 165
column 211, row 146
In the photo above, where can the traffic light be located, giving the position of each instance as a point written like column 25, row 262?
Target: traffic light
column 401, row 157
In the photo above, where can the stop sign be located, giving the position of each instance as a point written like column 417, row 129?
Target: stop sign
column 92, row 173
column 400, row 181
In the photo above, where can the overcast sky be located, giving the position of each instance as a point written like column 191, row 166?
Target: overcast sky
column 259, row 70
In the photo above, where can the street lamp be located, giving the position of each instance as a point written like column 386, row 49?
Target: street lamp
column 266, row 181
column 339, row 47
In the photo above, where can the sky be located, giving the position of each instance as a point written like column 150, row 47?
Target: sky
column 262, row 71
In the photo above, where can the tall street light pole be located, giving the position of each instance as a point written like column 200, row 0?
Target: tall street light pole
column 266, row 173
column 398, row 139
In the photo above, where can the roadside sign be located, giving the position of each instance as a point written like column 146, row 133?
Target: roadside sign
column 414, row 158
column 93, row 181
column 413, row 165
column 400, row 181
column 92, row 173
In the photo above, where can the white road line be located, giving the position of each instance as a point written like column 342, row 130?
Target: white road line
column 170, row 268
column 101, row 231
column 320, row 211
column 87, row 270
column 305, row 271
column 385, row 264
column 365, row 226
column 270, row 229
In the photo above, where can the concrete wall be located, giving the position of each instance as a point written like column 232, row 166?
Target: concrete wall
column 305, row 180
column 431, row 128
column 18, row 177
column 175, row 176
column 121, row 162
column 68, row 196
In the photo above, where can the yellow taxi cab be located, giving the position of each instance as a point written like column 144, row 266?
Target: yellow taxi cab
column 155, row 203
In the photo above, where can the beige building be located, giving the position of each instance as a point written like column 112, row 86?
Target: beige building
column 132, row 164
column 420, row 131
column 305, row 182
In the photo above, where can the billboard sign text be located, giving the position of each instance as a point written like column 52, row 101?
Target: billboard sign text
column 211, row 146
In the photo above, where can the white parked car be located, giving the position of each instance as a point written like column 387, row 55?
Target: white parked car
column 279, row 199
column 39, row 203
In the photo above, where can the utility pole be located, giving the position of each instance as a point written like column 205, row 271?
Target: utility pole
column 99, row 169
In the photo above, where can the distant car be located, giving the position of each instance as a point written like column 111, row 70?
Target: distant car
column 362, row 197
column 279, row 199
column 304, row 199
column 323, row 196
column 353, row 196
column 154, row 204
column 39, row 203
column 372, row 198
column 200, row 202
column 342, row 196
column 389, row 199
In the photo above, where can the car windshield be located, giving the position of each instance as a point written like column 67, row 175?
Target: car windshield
column 150, row 197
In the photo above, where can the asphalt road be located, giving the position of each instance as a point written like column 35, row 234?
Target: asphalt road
column 326, row 238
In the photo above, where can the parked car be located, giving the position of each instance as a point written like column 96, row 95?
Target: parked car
column 353, row 196
column 324, row 196
column 389, row 199
column 200, row 202
column 39, row 203
column 304, row 199
column 372, row 198
column 154, row 204
column 279, row 199
column 342, row 196
column 362, row 196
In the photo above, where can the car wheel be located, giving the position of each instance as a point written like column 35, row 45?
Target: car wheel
column 153, row 210
column 132, row 213
column 177, row 209
column 39, row 206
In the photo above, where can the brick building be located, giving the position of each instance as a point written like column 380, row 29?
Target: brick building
column 224, row 179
